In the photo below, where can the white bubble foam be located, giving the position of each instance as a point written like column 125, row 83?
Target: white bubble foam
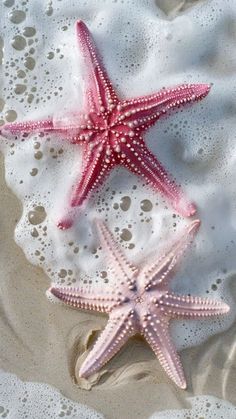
column 19, row 399
column 207, row 407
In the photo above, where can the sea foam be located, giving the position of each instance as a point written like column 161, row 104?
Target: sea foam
column 19, row 399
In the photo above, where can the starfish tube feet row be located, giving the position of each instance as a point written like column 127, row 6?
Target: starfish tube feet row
column 158, row 338
column 109, row 130
column 118, row 330
column 141, row 302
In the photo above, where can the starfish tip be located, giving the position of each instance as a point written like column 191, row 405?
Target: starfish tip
column 225, row 308
column 64, row 224
column 50, row 294
column 80, row 25
column 187, row 209
column 204, row 89
column 5, row 127
column 83, row 372
column 183, row 385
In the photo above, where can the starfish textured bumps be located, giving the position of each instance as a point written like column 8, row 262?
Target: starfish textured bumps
column 141, row 302
column 110, row 130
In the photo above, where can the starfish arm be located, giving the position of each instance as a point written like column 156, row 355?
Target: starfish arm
column 96, row 167
column 75, row 131
column 192, row 307
column 45, row 125
column 100, row 94
column 85, row 298
column 119, row 329
column 142, row 162
column 157, row 335
column 120, row 264
column 143, row 112
column 158, row 272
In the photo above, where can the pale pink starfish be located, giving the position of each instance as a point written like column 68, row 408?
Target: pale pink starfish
column 110, row 130
column 140, row 302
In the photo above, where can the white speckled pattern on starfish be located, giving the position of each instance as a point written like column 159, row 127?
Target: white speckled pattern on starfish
column 110, row 130
column 141, row 302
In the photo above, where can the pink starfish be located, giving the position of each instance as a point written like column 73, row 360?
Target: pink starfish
column 110, row 130
column 141, row 302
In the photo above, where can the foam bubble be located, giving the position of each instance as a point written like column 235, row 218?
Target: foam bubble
column 23, row 400
column 209, row 407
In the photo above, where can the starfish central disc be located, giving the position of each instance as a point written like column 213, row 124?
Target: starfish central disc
column 108, row 130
